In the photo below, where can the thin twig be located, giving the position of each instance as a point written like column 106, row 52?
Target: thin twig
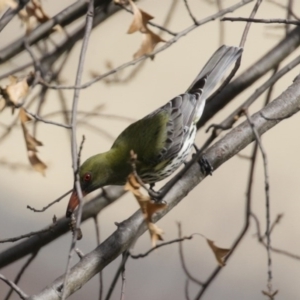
column 88, row 29
column 21, row 272
column 50, row 204
column 265, row 21
column 245, row 227
column 117, row 275
column 98, row 243
column 261, row 237
column 247, row 28
column 179, row 240
column 79, row 152
column 14, row 239
column 289, row 15
column 267, row 188
column 14, row 287
column 186, row 289
column 38, row 118
column 190, row 11
column 123, row 281
column 36, row 62
column 184, row 267
column 79, row 253
column 10, row 13
column 158, row 50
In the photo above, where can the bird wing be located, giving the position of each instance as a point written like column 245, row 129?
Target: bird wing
column 158, row 137
column 178, row 114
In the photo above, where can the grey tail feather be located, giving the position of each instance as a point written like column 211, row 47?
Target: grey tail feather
column 214, row 70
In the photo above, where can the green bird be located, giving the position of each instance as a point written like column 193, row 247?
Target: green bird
column 162, row 140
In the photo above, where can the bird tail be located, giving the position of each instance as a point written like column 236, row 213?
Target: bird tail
column 212, row 73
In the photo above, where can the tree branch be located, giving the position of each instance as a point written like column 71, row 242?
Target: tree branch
column 288, row 103
column 14, row 287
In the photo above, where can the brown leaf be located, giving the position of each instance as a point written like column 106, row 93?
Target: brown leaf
column 133, row 186
column 24, row 117
column 15, row 92
column 152, row 207
column 37, row 164
column 219, row 253
column 148, row 207
column 155, row 233
column 149, row 41
column 31, row 144
column 32, row 14
column 140, row 20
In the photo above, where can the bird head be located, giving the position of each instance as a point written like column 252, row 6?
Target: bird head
column 94, row 173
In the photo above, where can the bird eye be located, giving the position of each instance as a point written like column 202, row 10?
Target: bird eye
column 87, row 177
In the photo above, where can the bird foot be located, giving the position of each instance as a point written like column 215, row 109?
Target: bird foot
column 205, row 166
column 155, row 196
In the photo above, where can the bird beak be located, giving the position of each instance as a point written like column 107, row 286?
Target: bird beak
column 73, row 203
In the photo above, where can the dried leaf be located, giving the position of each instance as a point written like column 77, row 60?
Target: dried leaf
column 37, row 164
column 219, row 253
column 155, row 233
column 15, row 92
column 140, row 20
column 133, row 186
column 31, row 144
column 32, row 14
column 149, row 41
column 148, row 207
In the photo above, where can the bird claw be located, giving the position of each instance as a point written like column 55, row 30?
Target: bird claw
column 155, row 196
column 205, row 166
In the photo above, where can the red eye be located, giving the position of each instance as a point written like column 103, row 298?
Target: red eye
column 87, row 177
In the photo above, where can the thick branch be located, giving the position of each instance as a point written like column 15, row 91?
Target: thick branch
column 34, row 243
column 65, row 17
column 238, row 138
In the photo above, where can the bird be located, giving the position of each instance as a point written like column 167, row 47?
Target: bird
column 161, row 140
